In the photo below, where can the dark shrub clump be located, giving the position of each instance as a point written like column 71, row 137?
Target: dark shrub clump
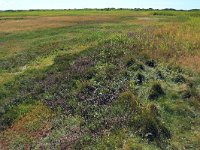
column 139, row 79
column 179, row 79
column 156, row 92
column 151, row 63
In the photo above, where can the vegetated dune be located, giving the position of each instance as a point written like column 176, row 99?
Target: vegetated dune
column 119, row 80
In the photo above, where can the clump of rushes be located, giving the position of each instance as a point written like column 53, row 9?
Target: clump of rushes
column 137, row 67
column 156, row 91
column 179, row 79
column 159, row 75
column 148, row 125
column 128, row 101
column 185, row 94
column 139, row 79
column 129, row 61
column 151, row 63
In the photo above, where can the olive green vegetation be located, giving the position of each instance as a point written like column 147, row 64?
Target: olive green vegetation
column 113, row 84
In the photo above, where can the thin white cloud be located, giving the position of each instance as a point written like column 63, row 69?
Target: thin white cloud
column 7, row 4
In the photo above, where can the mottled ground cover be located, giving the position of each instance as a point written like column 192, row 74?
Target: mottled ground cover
column 91, row 79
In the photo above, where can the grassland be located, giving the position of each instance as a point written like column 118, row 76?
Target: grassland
column 91, row 79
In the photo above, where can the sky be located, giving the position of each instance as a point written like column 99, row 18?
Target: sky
column 66, row 4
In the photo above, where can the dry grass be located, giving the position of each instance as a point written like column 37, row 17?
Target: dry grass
column 175, row 43
column 33, row 23
column 11, row 47
column 190, row 61
column 4, row 77
column 33, row 125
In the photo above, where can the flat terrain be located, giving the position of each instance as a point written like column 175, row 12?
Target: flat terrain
column 97, row 79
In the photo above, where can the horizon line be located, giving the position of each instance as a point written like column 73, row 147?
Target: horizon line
column 108, row 8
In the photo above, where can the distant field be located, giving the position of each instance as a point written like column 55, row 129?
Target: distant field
column 91, row 79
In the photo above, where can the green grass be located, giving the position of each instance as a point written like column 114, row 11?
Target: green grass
column 126, row 83
column 64, row 12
